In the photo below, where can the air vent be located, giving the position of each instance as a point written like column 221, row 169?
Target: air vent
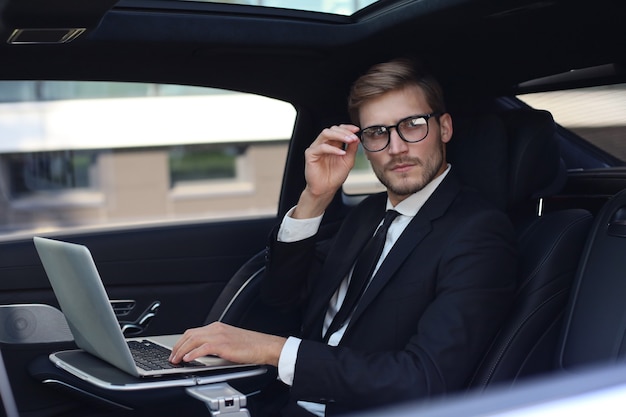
column 45, row 36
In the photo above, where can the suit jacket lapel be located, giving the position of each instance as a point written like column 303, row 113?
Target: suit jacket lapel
column 414, row 233
column 350, row 240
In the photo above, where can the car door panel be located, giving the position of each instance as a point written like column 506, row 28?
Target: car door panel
column 190, row 263
column 183, row 267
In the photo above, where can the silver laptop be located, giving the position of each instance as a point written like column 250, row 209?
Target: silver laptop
column 85, row 304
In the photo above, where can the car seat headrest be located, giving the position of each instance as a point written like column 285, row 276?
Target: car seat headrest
column 510, row 158
column 535, row 166
column 478, row 152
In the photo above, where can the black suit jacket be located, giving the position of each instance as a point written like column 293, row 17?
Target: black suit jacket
column 428, row 315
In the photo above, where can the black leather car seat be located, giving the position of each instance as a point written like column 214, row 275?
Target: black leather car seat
column 548, row 245
column 239, row 304
column 595, row 322
column 238, row 295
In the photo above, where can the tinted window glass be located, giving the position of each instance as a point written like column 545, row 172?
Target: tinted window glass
column 94, row 153
column 597, row 115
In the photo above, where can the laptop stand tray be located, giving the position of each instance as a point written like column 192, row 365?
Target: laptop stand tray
column 83, row 373
column 99, row 373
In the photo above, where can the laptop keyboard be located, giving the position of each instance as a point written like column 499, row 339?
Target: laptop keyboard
column 152, row 357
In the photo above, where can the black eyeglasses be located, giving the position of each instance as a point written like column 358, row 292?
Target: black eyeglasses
column 410, row 129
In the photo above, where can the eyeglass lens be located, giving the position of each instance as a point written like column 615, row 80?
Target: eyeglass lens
column 411, row 129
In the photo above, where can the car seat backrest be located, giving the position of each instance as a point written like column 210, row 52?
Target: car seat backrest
column 235, row 299
column 595, row 324
column 548, row 244
column 239, row 303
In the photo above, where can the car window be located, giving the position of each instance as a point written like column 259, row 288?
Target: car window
column 78, row 154
column 596, row 114
column 362, row 179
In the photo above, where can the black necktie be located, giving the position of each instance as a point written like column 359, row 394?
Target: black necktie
column 363, row 269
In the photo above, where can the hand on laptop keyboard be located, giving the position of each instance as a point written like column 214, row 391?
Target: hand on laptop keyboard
column 152, row 357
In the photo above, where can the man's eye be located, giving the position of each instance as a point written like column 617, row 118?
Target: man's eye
column 378, row 131
column 415, row 122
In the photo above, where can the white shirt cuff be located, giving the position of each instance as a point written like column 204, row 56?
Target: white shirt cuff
column 287, row 360
column 293, row 230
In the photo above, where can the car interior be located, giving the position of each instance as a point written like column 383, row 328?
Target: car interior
column 500, row 63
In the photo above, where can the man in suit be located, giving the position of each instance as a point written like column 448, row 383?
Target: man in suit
column 438, row 291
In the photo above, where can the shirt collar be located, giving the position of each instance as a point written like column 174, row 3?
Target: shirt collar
column 412, row 204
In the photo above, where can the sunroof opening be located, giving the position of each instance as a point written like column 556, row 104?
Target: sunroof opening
column 340, row 7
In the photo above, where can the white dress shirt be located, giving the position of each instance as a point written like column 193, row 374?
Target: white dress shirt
column 292, row 230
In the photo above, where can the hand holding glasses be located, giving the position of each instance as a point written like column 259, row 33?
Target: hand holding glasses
column 410, row 129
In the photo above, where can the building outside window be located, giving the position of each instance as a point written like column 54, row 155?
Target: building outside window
column 85, row 154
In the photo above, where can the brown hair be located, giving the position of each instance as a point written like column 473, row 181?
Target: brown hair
column 394, row 75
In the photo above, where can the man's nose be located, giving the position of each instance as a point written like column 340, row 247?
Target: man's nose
column 396, row 144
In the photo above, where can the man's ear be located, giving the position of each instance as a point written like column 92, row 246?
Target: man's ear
column 445, row 127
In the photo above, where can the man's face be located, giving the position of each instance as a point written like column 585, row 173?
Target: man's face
column 405, row 168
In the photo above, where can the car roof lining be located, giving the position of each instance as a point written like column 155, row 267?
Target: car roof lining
column 479, row 47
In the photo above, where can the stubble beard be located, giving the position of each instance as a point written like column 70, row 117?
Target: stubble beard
column 407, row 184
